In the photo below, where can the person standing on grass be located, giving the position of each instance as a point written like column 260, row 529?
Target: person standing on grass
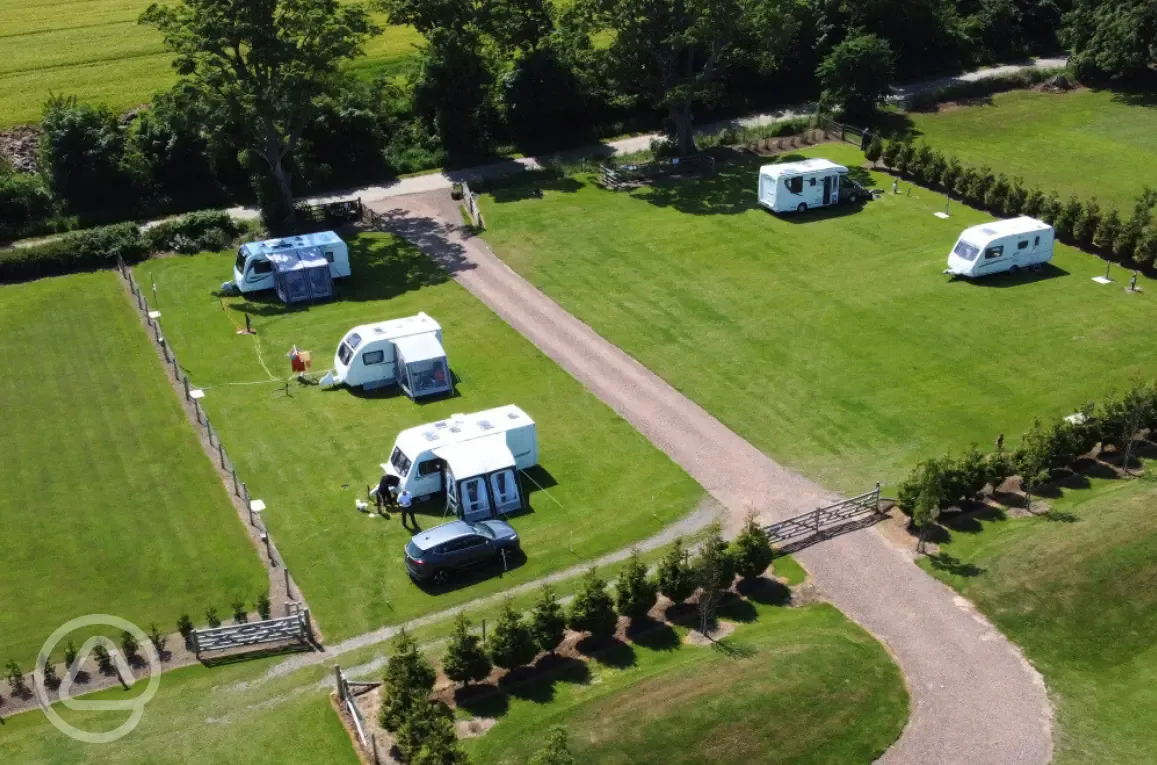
column 865, row 139
column 385, row 491
column 406, row 503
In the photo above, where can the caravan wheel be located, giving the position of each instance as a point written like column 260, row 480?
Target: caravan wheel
column 1014, row 270
column 802, row 207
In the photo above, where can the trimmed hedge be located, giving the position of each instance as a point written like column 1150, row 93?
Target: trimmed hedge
column 99, row 247
column 83, row 251
column 927, row 100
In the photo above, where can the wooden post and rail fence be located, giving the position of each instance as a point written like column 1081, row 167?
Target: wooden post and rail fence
column 347, row 693
column 296, row 628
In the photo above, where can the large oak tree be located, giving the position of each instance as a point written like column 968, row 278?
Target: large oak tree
column 259, row 65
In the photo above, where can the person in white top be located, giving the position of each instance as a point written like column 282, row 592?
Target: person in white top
column 406, row 503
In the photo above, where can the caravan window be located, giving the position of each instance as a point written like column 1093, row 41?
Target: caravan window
column 429, row 467
column 329, row 256
column 400, row 462
column 1036, row 241
column 344, row 353
column 241, row 259
column 966, row 251
column 992, row 253
column 262, row 267
column 354, row 340
column 1022, row 245
column 373, row 357
column 812, row 181
column 795, row 185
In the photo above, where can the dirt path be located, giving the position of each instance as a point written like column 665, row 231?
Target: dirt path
column 974, row 698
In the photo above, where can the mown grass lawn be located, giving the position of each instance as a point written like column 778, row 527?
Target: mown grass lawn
column 200, row 716
column 794, row 686
column 1088, row 143
column 109, row 505
column 831, row 340
column 311, row 453
column 1081, row 598
column 95, row 50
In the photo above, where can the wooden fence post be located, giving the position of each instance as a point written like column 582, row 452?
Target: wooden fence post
column 221, row 452
column 197, row 410
column 209, row 430
column 187, row 391
column 308, row 624
column 338, row 679
column 236, row 486
column 288, row 589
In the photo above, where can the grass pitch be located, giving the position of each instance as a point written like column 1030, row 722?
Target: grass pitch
column 311, row 453
column 830, row 340
column 109, row 503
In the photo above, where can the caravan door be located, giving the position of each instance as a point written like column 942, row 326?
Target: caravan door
column 827, row 190
column 474, row 499
column 504, row 488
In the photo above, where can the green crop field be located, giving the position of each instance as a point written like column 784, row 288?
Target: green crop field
column 1079, row 594
column 95, row 50
column 1088, row 143
column 109, row 503
column 794, row 686
column 830, row 340
column 311, row 453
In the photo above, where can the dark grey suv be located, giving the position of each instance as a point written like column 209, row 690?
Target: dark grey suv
column 435, row 554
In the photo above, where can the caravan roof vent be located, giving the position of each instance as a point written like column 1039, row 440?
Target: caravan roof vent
column 512, row 415
column 441, row 424
column 430, row 435
column 455, row 428
column 989, row 231
column 486, row 424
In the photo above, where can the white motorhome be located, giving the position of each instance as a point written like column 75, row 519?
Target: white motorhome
column 407, row 352
column 474, row 458
column 254, row 269
column 1003, row 245
column 799, row 186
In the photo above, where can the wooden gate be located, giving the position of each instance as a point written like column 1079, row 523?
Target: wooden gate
column 821, row 523
column 290, row 628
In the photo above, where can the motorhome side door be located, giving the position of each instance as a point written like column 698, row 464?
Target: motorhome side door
column 828, row 179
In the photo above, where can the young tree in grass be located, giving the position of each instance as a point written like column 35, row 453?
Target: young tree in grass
column 511, row 644
column 465, row 660
column 592, row 609
column 70, row 654
column 1108, row 228
column 856, row 75
column 674, row 576
column 1086, row 222
column 891, row 153
column 1050, row 208
column 258, row 68
column 875, row 149
column 1033, row 203
column 995, row 195
column 426, row 736
column 547, row 620
column 635, row 593
column 16, row 678
column 904, row 157
column 999, row 468
column 1032, row 461
column 964, row 182
column 556, row 751
column 714, row 573
column 129, row 645
column 751, row 550
column 409, row 679
column 1066, row 218
column 1014, row 200
column 925, row 515
column 949, row 175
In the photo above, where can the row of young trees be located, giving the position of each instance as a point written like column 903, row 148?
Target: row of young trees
column 940, row 483
column 423, row 728
column 1082, row 223
column 265, row 104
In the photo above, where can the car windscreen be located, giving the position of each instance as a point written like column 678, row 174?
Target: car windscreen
column 400, row 461
column 483, row 530
column 966, row 251
column 344, row 353
column 413, row 550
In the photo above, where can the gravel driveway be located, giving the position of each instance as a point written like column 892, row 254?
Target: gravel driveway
column 974, row 699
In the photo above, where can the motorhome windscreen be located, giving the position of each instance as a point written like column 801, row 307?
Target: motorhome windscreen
column 966, row 251
column 428, row 377
column 400, row 462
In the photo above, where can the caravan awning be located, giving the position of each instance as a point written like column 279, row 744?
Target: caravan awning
column 424, row 347
column 478, row 456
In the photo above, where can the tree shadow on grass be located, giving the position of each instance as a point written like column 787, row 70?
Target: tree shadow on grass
column 736, row 609
column 610, row 652
column 482, row 700
column 765, row 591
column 970, row 522
column 953, row 565
column 531, row 188
column 652, row 634
column 729, row 191
column 537, row 682
column 1060, row 516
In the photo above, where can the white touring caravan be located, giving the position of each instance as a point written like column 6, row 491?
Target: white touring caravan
column 257, row 261
column 1003, row 245
column 406, row 352
column 475, row 458
column 799, row 186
